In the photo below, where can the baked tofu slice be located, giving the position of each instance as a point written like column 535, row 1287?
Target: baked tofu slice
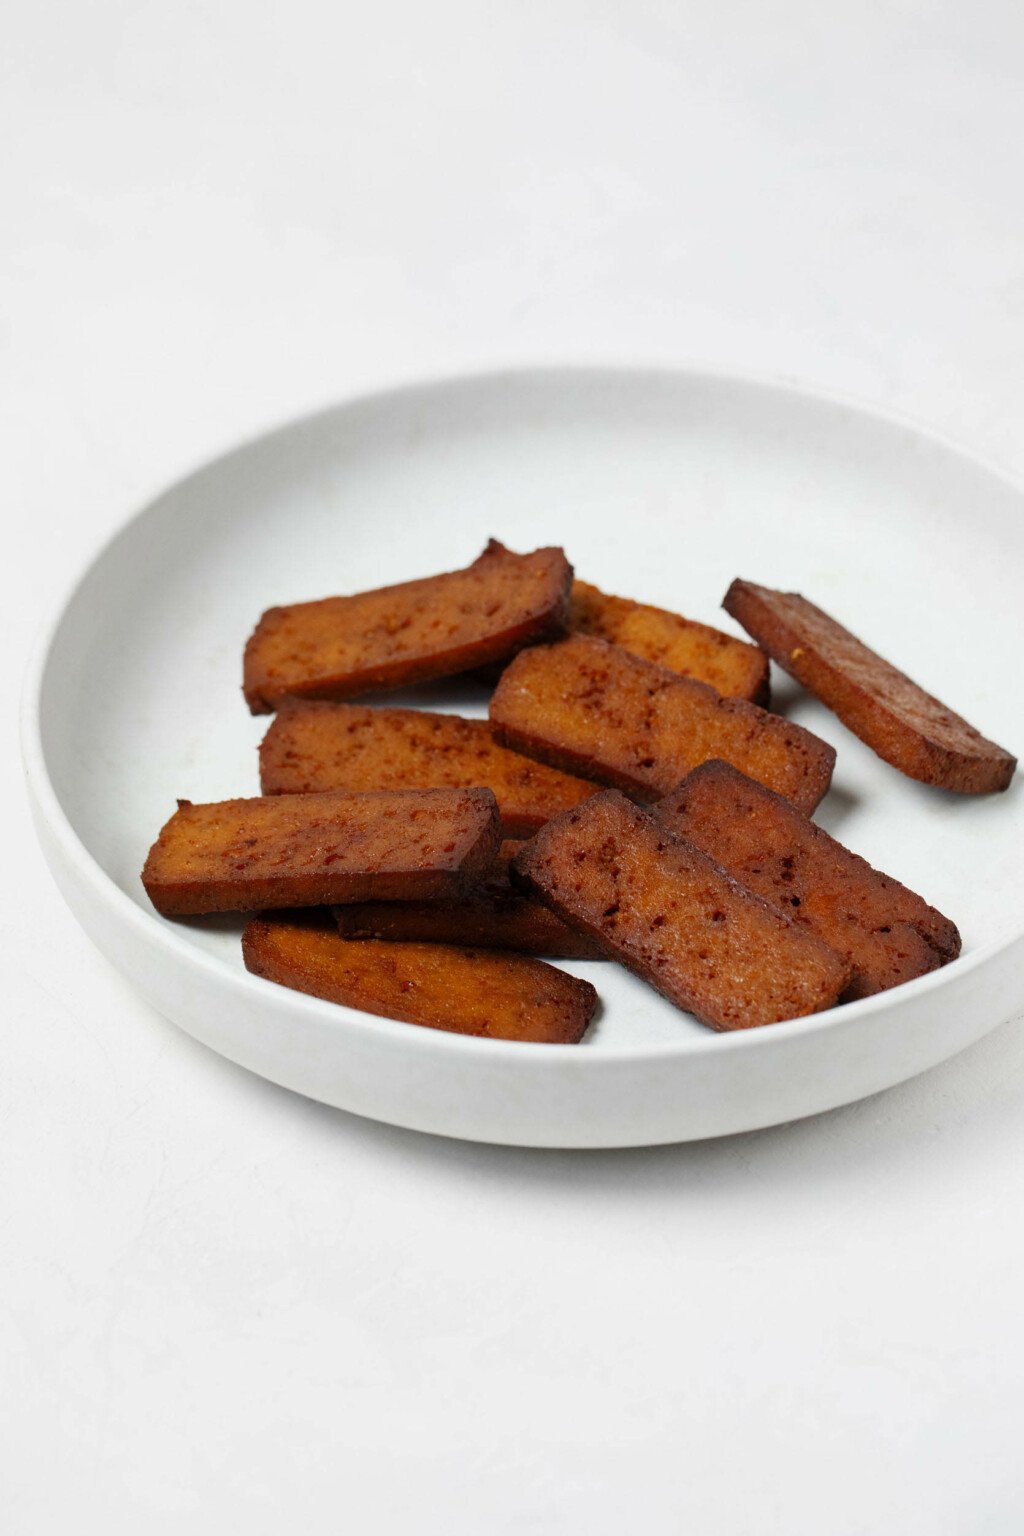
column 339, row 647
column 884, row 932
column 907, row 727
column 592, row 708
column 490, row 915
column 464, row 991
column 730, row 666
column 348, row 746
column 677, row 919
column 310, row 850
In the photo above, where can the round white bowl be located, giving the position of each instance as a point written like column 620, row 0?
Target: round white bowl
column 661, row 485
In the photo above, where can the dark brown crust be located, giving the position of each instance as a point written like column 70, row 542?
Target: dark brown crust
column 311, row 850
column 491, row 915
column 463, row 991
column 591, row 708
column 669, row 913
column 907, row 727
column 885, row 932
column 313, row 747
column 732, row 667
column 339, row 647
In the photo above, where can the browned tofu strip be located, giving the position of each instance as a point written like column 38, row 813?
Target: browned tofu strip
column 343, row 646
column 909, row 728
column 349, row 746
column 884, row 931
column 309, row 850
column 659, row 905
column 591, row 708
column 464, row 991
column 732, row 667
column 491, row 915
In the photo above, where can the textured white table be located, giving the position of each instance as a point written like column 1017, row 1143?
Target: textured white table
column 225, row 1308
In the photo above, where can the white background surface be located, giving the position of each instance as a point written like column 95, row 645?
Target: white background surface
column 227, row 1308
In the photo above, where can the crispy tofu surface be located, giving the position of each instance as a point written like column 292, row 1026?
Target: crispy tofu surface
column 909, row 728
column 464, row 991
column 885, row 932
column 349, row 746
column 339, row 647
column 308, row 850
column 592, row 708
column 677, row 919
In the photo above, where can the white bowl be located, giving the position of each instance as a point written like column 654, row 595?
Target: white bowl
column 662, row 486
